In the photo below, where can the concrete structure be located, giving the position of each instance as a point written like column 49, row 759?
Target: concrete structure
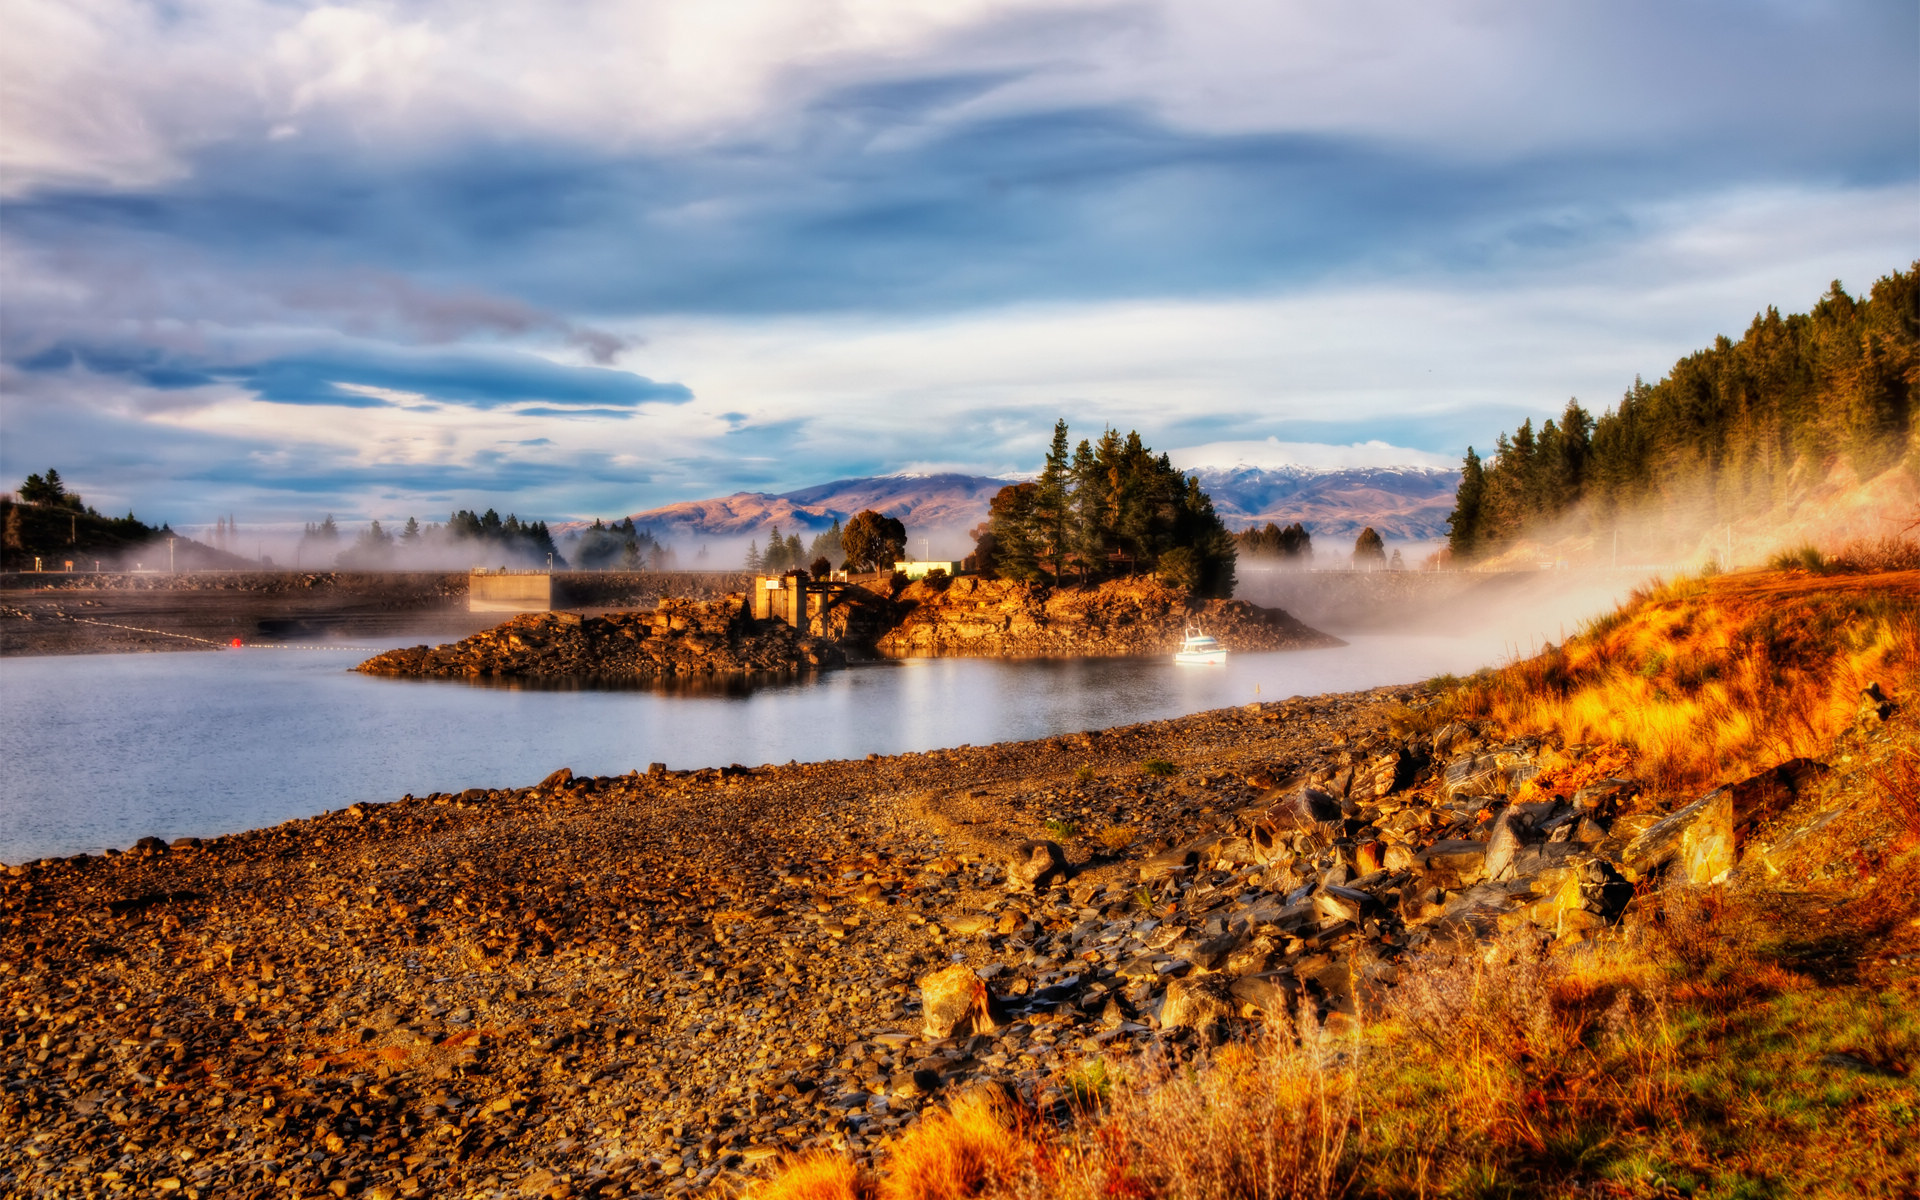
column 510, row 591
column 782, row 598
column 920, row 570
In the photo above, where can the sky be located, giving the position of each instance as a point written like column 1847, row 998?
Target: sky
column 279, row 259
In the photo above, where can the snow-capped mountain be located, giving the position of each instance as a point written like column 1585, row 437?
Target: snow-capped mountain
column 1402, row 503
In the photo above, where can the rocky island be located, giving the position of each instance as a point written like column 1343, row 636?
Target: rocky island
column 679, row 638
column 965, row 616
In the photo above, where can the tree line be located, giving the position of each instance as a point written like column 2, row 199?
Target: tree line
column 1730, row 430
column 376, row 547
column 871, row 541
column 1107, row 507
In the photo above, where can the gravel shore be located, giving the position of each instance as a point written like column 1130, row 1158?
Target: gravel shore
column 627, row 985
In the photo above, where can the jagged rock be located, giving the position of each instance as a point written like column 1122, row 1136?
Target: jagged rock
column 1198, row 1002
column 1172, row 862
column 1508, row 835
column 1388, row 774
column 1266, row 996
column 1303, row 808
column 1036, row 865
column 957, row 1001
column 1494, row 773
column 1697, row 841
column 1606, row 791
column 1454, row 863
column 1213, row 953
column 1334, row 903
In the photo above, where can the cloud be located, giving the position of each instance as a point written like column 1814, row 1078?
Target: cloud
column 1273, row 453
column 876, row 232
column 383, row 378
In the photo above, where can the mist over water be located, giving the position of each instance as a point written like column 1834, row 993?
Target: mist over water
column 102, row 750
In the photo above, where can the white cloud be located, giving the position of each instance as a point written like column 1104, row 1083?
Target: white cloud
column 1273, row 453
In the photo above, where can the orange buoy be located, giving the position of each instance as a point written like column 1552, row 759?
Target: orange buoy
column 235, row 643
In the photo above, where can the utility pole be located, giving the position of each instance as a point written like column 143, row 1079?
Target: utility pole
column 170, row 569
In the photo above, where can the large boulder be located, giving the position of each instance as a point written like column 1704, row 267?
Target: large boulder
column 1036, row 865
column 956, row 1001
column 1695, row 843
column 1199, row 1002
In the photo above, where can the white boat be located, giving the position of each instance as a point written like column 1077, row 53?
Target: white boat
column 1200, row 650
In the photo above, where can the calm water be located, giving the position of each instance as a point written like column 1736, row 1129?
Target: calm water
column 100, row 750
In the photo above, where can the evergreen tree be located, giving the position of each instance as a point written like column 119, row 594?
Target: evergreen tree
column 1463, row 526
column 1369, row 551
column 754, row 561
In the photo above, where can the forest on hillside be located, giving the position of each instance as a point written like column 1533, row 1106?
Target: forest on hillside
column 1734, row 430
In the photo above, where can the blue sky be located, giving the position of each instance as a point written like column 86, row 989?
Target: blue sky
column 382, row 260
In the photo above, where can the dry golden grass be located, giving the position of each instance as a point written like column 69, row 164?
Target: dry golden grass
column 817, row 1176
column 1708, row 679
column 957, row 1153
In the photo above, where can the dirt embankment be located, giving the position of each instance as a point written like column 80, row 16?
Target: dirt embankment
column 679, row 638
column 1002, row 619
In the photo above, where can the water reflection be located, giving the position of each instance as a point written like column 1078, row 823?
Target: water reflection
column 101, row 750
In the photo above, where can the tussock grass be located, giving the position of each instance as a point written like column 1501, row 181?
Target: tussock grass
column 1706, row 679
column 817, row 1176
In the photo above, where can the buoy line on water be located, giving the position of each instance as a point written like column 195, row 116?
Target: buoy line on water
column 235, row 644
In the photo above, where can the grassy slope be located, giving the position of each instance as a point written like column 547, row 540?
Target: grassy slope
column 1759, row 1039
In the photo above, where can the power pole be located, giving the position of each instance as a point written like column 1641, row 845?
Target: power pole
column 170, row 569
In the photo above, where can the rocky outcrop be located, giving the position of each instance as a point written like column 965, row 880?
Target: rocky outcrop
column 1138, row 615
column 680, row 638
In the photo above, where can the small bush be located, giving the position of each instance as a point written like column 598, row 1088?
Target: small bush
column 1084, row 774
column 1115, row 838
column 1878, row 554
column 1806, row 558
column 1160, row 767
column 1063, row 830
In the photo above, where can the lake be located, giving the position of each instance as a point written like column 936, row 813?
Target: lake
column 101, row 750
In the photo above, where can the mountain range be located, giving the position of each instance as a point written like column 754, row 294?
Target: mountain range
column 1402, row 503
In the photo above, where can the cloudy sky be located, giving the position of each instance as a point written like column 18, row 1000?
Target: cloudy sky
column 584, row 257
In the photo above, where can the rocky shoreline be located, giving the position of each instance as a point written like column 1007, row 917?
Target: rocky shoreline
column 651, row 984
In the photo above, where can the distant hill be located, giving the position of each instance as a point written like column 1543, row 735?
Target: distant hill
column 1402, row 503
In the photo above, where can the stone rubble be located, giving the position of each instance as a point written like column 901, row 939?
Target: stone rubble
column 650, row 984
